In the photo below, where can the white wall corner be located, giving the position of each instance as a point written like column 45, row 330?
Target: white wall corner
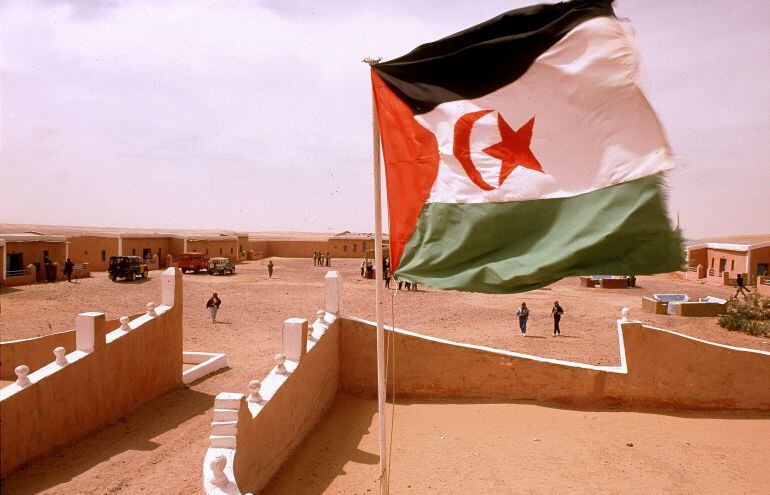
column 333, row 292
column 294, row 338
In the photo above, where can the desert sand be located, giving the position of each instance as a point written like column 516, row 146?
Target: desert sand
column 489, row 448
column 162, row 443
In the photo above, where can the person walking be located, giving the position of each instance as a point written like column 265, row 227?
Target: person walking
column 386, row 274
column 523, row 313
column 69, row 267
column 556, row 312
column 315, row 258
column 270, row 269
column 328, row 259
column 213, row 307
column 741, row 288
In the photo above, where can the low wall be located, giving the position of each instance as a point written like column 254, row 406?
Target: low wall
column 587, row 282
column 252, row 436
column 699, row 308
column 109, row 375
column 659, row 369
column 613, row 283
column 29, row 278
column 268, row 435
column 650, row 305
column 36, row 352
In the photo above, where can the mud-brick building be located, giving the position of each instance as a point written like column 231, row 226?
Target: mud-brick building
column 24, row 253
column 721, row 262
column 303, row 245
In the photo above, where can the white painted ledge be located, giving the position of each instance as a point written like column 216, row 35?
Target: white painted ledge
column 205, row 363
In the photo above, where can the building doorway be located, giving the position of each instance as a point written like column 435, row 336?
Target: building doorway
column 762, row 269
column 722, row 265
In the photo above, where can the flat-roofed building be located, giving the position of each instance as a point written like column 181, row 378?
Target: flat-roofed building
column 720, row 261
column 23, row 250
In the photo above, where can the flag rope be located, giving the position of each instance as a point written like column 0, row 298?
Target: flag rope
column 391, row 350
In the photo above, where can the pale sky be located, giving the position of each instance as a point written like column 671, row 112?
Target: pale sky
column 257, row 115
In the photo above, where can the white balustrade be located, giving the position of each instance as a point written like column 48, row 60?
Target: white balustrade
column 279, row 366
column 21, row 376
column 218, row 465
column 61, row 356
column 254, row 387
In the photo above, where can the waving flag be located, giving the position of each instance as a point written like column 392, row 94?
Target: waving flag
column 521, row 151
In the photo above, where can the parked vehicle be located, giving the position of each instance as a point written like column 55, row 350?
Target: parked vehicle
column 222, row 266
column 128, row 267
column 192, row 262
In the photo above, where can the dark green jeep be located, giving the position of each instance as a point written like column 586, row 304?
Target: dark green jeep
column 128, row 267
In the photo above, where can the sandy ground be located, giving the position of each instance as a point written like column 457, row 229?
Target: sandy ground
column 162, row 443
column 530, row 448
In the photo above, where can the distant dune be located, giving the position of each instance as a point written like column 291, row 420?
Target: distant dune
column 85, row 230
column 735, row 239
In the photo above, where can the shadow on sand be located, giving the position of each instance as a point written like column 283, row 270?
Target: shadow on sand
column 333, row 444
column 132, row 432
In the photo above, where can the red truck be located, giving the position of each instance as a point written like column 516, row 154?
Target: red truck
column 192, row 262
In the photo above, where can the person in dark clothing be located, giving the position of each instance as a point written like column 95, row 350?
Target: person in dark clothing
column 523, row 314
column 741, row 288
column 328, row 258
column 69, row 267
column 270, row 269
column 556, row 312
column 386, row 273
column 50, row 276
column 213, row 306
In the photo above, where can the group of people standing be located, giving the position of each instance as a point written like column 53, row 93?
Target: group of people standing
column 367, row 271
column 556, row 313
column 321, row 259
column 50, row 270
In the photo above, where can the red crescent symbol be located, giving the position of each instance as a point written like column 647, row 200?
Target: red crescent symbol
column 462, row 147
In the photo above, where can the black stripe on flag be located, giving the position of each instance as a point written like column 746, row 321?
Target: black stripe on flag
column 485, row 57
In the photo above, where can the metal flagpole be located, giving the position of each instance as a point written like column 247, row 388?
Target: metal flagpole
column 378, row 291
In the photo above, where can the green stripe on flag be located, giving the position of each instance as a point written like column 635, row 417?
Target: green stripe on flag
column 525, row 245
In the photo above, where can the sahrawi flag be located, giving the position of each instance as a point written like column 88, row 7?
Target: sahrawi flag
column 521, row 151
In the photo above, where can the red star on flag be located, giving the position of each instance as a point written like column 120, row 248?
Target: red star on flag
column 514, row 150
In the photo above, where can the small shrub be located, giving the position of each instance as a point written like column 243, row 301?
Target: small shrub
column 750, row 315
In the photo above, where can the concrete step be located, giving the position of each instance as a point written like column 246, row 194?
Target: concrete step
column 224, row 428
column 222, row 441
column 225, row 415
column 228, row 400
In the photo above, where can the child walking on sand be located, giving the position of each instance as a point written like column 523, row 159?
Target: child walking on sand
column 213, row 306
